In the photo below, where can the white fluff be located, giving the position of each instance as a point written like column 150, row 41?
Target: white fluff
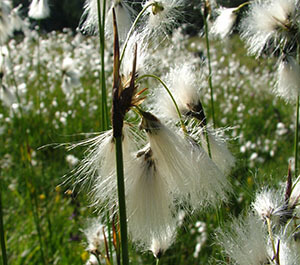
column 268, row 204
column 188, row 170
column 71, row 78
column 268, row 21
column 183, row 85
column 165, row 19
column 288, row 83
column 89, row 20
column 149, row 201
column 98, row 169
column 5, row 23
column 223, row 25
column 219, row 152
column 246, row 242
column 39, row 9
column 123, row 15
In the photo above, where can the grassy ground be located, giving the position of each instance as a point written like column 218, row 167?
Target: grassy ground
column 38, row 210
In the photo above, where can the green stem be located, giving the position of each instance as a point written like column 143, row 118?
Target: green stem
column 271, row 236
column 132, row 29
column 157, row 261
column 171, row 96
column 2, row 231
column 101, row 25
column 207, row 142
column 122, row 203
column 296, row 137
column 209, row 72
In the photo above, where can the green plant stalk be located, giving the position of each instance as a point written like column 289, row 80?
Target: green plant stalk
column 296, row 137
column 209, row 72
column 2, row 230
column 101, row 26
column 157, row 261
column 104, row 108
column 122, row 203
column 207, row 142
column 132, row 29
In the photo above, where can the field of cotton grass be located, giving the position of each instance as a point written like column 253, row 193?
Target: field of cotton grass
column 130, row 142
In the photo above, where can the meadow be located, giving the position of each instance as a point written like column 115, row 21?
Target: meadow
column 48, row 103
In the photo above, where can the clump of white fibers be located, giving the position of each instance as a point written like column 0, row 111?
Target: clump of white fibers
column 218, row 147
column 71, row 78
column 268, row 204
column 224, row 23
column 123, row 15
column 182, row 82
column 190, row 173
column 89, row 20
column 161, row 244
column 149, row 201
column 39, row 9
column 246, row 242
column 98, row 168
column 288, row 84
column 269, row 21
column 162, row 16
column 5, row 28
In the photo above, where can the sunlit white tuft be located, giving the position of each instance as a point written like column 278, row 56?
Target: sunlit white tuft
column 224, row 23
column 288, row 83
column 39, row 9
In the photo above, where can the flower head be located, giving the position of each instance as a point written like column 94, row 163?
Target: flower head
column 162, row 16
column 246, row 242
column 5, row 23
column 270, row 22
column 288, row 83
column 39, row 9
column 224, row 22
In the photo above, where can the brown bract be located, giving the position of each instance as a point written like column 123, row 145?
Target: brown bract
column 124, row 93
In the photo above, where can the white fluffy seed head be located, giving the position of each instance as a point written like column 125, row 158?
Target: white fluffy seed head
column 94, row 233
column 124, row 15
column 220, row 153
column 246, row 242
column 183, row 85
column 5, row 21
column 190, row 173
column 162, row 17
column 89, row 19
column 288, row 83
column 149, row 201
column 270, row 20
column 269, row 204
column 71, row 77
column 97, row 171
column 161, row 244
column 224, row 23
column 39, row 9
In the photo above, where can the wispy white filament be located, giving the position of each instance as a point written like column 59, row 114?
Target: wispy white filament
column 39, row 9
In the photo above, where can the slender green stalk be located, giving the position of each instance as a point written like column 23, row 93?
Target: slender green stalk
column 271, row 236
column 2, row 231
column 207, row 142
column 101, row 25
column 133, row 27
column 122, row 204
column 171, row 96
column 296, row 137
column 209, row 72
column 157, row 261
column 104, row 108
